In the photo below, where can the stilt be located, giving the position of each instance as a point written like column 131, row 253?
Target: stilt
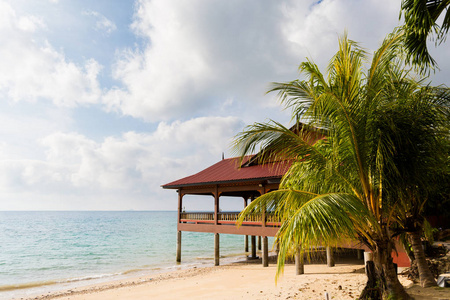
column 368, row 256
column 216, row 249
column 299, row 267
column 330, row 257
column 259, row 243
column 246, row 243
column 265, row 256
column 253, row 238
column 179, row 246
column 360, row 253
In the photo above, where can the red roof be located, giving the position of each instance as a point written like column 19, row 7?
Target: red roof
column 228, row 171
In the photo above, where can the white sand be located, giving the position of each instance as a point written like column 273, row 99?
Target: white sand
column 242, row 281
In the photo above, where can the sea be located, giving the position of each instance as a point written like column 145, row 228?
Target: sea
column 47, row 251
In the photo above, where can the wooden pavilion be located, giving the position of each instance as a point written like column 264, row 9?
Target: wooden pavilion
column 228, row 177
column 233, row 177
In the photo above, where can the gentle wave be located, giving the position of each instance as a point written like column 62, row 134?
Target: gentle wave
column 29, row 285
column 53, row 246
column 36, row 284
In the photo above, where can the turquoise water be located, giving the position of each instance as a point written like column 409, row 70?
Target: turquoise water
column 39, row 250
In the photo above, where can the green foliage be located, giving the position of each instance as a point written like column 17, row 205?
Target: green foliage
column 337, row 188
column 421, row 21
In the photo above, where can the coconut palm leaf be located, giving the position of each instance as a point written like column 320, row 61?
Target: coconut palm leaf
column 421, row 17
column 334, row 187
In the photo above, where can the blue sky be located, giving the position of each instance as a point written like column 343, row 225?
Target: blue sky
column 101, row 102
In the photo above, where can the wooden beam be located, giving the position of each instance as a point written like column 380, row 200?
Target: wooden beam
column 229, row 229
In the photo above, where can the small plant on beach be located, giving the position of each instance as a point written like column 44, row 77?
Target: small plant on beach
column 335, row 189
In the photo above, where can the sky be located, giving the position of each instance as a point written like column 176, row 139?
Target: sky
column 102, row 102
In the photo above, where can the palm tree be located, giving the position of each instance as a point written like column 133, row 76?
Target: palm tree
column 421, row 17
column 334, row 189
column 419, row 121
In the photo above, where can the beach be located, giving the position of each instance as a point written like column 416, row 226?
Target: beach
column 241, row 280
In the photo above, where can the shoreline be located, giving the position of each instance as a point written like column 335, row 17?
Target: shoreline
column 31, row 290
column 240, row 280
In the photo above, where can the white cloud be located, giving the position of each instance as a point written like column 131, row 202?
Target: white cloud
column 34, row 71
column 194, row 58
column 132, row 165
column 102, row 23
column 31, row 23
column 198, row 55
column 201, row 53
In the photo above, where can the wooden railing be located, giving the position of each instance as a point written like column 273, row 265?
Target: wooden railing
column 227, row 218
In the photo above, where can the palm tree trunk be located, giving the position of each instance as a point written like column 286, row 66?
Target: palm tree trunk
column 385, row 266
column 425, row 275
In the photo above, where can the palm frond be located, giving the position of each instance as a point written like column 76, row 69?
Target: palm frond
column 421, row 18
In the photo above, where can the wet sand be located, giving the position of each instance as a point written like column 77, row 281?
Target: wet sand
column 243, row 281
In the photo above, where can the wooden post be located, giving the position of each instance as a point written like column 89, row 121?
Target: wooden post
column 253, row 238
column 179, row 246
column 216, row 250
column 263, row 219
column 330, row 258
column 299, row 267
column 360, row 253
column 180, row 205
column 246, row 237
column 265, row 256
column 368, row 256
column 216, row 206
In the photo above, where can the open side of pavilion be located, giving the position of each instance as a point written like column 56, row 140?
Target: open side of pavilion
column 245, row 178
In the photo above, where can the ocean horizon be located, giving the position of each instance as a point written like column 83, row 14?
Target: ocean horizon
column 44, row 251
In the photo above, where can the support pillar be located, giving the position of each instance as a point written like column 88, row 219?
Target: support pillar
column 360, row 253
column 299, row 267
column 253, row 239
column 246, row 237
column 265, row 255
column 259, row 243
column 179, row 246
column 330, row 257
column 180, row 204
column 216, row 249
column 216, row 206
column 368, row 256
